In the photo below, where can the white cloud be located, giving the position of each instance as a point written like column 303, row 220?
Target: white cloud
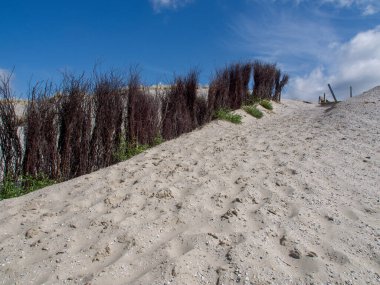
column 341, row 3
column 367, row 7
column 355, row 63
column 307, row 87
column 159, row 5
column 370, row 10
column 292, row 40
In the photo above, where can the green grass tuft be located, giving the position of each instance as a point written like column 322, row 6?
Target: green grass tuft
column 135, row 150
column 26, row 184
column 158, row 140
column 126, row 151
column 226, row 115
column 253, row 111
column 266, row 104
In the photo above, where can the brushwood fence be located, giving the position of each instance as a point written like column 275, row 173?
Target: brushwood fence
column 78, row 127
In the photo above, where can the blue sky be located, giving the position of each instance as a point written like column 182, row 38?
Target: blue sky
column 316, row 42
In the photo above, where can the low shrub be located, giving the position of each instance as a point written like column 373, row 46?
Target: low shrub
column 226, row 115
column 253, row 111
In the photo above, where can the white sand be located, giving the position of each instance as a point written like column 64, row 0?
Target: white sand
column 292, row 198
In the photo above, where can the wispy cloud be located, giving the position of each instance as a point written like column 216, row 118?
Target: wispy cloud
column 370, row 10
column 294, row 41
column 367, row 7
column 159, row 5
column 356, row 63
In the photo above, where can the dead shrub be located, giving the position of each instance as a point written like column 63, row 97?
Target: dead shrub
column 41, row 133
column 190, row 93
column 142, row 114
column 229, row 88
column 280, row 82
column 246, row 70
column 264, row 80
column 10, row 145
column 178, row 107
column 218, row 91
column 109, row 97
column 201, row 111
column 75, row 110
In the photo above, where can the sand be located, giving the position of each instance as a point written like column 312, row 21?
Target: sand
column 292, row 198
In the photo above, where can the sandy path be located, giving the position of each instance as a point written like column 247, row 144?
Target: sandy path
column 292, row 198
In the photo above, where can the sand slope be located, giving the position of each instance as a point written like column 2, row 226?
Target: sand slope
column 292, row 198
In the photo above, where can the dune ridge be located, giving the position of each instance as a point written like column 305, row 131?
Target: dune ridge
column 292, row 198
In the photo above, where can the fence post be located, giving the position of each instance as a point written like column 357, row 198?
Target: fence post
column 332, row 92
column 351, row 91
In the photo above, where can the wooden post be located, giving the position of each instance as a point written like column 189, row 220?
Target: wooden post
column 351, row 91
column 332, row 92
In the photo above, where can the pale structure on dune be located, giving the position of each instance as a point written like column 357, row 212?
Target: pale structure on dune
column 292, row 198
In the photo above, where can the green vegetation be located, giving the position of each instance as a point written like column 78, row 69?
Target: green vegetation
column 126, row 151
column 226, row 115
column 253, row 111
column 266, row 104
column 158, row 140
column 26, row 184
column 135, row 150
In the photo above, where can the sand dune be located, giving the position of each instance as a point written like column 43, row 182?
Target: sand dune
column 292, row 198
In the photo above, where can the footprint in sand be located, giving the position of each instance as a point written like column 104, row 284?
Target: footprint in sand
column 337, row 256
column 350, row 214
column 294, row 210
